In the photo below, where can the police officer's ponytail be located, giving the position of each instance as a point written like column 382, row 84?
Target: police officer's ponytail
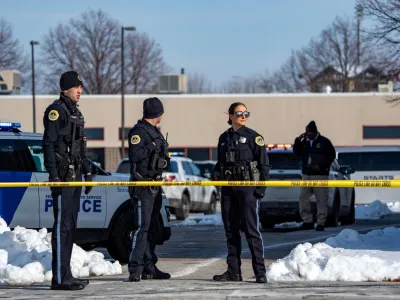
column 232, row 108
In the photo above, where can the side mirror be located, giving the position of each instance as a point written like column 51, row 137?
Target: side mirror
column 346, row 170
column 93, row 169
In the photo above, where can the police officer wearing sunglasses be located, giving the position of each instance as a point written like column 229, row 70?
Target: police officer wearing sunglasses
column 241, row 156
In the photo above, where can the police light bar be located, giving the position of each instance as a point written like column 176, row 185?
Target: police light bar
column 176, row 153
column 6, row 125
column 279, row 146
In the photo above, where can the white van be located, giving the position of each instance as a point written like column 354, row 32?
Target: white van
column 372, row 163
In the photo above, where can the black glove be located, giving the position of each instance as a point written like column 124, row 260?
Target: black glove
column 258, row 195
column 88, row 177
column 55, row 190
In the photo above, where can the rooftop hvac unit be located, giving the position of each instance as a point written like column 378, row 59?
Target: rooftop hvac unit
column 172, row 84
column 10, row 82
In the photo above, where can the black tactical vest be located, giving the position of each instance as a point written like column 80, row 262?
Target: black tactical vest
column 71, row 136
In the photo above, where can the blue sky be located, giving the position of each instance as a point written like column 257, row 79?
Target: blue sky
column 219, row 38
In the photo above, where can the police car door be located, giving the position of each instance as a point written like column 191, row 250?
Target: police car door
column 92, row 207
column 19, row 206
column 189, row 176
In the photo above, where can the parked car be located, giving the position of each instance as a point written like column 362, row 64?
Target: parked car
column 281, row 204
column 184, row 199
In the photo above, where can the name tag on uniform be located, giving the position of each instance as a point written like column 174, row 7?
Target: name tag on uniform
column 242, row 139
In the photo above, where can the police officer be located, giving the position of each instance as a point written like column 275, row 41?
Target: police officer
column 148, row 156
column 241, row 156
column 65, row 159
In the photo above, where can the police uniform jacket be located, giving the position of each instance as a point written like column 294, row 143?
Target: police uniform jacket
column 59, row 120
column 145, row 141
column 248, row 147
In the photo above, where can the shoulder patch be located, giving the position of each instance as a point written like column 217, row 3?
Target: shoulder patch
column 135, row 139
column 259, row 141
column 53, row 115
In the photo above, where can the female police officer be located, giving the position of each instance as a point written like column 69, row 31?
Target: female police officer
column 241, row 156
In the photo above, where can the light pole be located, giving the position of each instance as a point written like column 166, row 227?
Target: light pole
column 131, row 28
column 33, row 43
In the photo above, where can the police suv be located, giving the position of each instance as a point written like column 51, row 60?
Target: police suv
column 281, row 204
column 105, row 214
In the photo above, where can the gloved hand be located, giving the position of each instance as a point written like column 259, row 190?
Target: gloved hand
column 55, row 190
column 88, row 177
column 258, row 195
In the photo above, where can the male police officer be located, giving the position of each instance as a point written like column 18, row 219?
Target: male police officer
column 64, row 147
column 148, row 155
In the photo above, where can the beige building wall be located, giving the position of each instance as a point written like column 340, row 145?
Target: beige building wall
column 198, row 120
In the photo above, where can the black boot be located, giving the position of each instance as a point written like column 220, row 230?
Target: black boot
column 85, row 282
column 154, row 273
column 68, row 286
column 134, row 277
column 306, row 226
column 227, row 276
column 320, row 228
column 261, row 279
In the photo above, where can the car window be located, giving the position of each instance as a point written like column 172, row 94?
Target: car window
column 173, row 167
column 186, row 168
column 15, row 156
column 285, row 160
column 124, row 167
column 195, row 169
column 371, row 161
column 36, row 149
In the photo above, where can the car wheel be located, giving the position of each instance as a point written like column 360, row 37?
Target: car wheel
column 267, row 224
column 213, row 206
column 120, row 241
column 333, row 219
column 351, row 218
column 182, row 212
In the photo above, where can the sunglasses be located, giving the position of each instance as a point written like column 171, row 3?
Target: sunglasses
column 244, row 114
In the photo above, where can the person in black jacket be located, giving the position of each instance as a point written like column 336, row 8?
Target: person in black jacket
column 242, row 156
column 148, row 156
column 65, row 159
column 317, row 153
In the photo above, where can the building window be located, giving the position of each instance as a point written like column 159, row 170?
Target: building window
column 126, row 132
column 381, row 132
column 198, row 153
column 94, row 133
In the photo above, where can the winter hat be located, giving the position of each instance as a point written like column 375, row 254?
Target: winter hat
column 69, row 80
column 311, row 127
column 152, row 108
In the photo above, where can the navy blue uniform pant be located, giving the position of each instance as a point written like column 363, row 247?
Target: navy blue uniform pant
column 65, row 210
column 147, row 208
column 239, row 209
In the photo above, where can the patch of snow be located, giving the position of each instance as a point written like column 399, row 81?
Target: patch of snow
column 288, row 225
column 349, row 256
column 201, row 220
column 376, row 210
column 26, row 256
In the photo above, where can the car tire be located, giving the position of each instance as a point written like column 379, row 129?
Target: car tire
column 182, row 212
column 267, row 224
column 213, row 206
column 120, row 240
column 351, row 218
column 334, row 217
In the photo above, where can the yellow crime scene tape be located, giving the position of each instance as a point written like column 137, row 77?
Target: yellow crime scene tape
column 272, row 183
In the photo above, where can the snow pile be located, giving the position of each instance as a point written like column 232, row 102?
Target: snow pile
column 211, row 220
column 349, row 256
column 25, row 257
column 375, row 210
column 288, row 225
column 394, row 206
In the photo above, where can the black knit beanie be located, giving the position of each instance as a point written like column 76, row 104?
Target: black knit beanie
column 152, row 108
column 69, row 80
column 312, row 127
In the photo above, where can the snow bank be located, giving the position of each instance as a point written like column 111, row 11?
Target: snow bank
column 213, row 220
column 374, row 210
column 25, row 257
column 349, row 256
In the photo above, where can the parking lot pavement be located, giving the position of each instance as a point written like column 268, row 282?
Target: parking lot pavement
column 194, row 254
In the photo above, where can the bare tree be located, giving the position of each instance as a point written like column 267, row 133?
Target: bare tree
column 337, row 51
column 249, row 85
column 12, row 55
column 198, row 84
column 145, row 62
column 91, row 45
